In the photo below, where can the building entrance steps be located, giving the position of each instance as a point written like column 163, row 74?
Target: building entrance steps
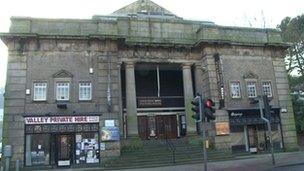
column 153, row 153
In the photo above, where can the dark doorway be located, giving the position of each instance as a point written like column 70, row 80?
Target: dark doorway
column 257, row 137
column 64, row 150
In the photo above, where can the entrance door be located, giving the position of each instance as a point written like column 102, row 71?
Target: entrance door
column 257, row 137
column 64, row 149
column 143, row 127
column 166, row 127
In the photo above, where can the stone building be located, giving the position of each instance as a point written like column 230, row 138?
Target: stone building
column 76, row 87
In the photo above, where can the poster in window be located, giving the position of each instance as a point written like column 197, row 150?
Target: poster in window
column 110, row 134
column 222, row 128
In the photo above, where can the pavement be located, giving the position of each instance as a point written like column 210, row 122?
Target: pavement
column 288, row 161
column 283, row 161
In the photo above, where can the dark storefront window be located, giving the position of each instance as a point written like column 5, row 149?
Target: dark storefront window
column 37, row 149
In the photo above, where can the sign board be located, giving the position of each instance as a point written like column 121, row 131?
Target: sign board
column 109, row 123
column 61, row 120
column 222, row 128
column 110, row 134
column 149, row 102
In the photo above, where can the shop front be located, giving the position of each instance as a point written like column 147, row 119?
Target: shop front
column 250, row 131
column 61, row 140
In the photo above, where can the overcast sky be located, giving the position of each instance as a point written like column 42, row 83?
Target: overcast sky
column 248, row 13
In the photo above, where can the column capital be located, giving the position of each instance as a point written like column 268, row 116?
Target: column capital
column 129, row 64
column 198, row 64
column 186, row 65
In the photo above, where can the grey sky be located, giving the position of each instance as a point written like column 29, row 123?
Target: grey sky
column 248, row 13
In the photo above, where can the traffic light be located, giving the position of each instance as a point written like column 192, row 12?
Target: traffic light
column 209, row 110
column 196, row 108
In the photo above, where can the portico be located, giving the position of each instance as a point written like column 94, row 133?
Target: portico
column 158, row 89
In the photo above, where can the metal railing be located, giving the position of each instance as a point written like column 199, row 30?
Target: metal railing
column 172, row 148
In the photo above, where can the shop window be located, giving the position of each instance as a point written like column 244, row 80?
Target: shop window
column 251, row 89
column 266, row 87
column 40, row 91
column 37, row 149
column 235, row 89
column 87, row 149
column 85, row 91
column 62, row 91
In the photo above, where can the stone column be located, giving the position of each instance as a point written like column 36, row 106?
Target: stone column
column 132, row 129
column 121, row 121
column 287, row 119
column 188, row 96
column 198, row 75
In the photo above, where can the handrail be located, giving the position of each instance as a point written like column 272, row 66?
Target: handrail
column 171, row 148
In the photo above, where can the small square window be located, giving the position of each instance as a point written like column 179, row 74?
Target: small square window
column 235, row 90
column 266, row 87
column 251, row 89
column 40, row 91
column 85, row 91
column 62, row 91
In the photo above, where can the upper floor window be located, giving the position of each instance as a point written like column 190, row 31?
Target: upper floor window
column 62, row 91
column 40, row 91
column 251, row 89
column 266, row 88
column 235, row 89
column 85, row 91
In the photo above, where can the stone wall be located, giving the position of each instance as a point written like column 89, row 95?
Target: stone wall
column 287, row 119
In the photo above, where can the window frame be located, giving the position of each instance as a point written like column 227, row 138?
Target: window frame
column 231, row 89
column 69, row 90
column 270, row 87
column 79, row 90
column 255, row 88
column 34, row 91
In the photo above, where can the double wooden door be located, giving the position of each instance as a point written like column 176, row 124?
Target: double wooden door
column 161, row 127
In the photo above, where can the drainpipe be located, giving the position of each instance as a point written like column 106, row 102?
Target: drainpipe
column 269, row 129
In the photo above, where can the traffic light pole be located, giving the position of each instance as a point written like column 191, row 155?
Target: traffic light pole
column 204, row 144
column 199, row 109
column 269, row 129
column 202, row 117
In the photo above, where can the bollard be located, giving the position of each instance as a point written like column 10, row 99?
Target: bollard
column 7, row 153
column 7, row 163
column 17, row 165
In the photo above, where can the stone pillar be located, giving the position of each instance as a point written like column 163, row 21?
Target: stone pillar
column 121, row 121
column 188, row 96
column 132, row 129
column 287, row 119
column 198, row 75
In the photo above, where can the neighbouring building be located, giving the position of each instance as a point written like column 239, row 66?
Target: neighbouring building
column 77, row 87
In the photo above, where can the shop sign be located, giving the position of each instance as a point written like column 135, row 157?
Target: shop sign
column 110, row 134
column 149, row 102
column 61, row 120
column 222, row 128
column 236, row 114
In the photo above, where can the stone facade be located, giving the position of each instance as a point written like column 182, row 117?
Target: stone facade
column 40, row 48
